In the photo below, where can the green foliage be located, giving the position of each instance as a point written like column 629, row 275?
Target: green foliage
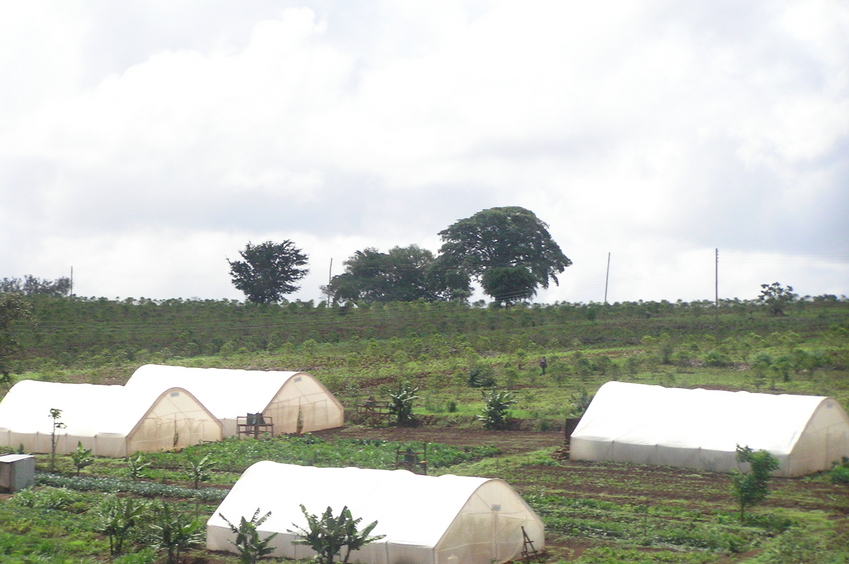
column 435, row 346
column 404, row 274
column 144, row 489
column 776, row 297
column 51, row 498
column 716, row 358
column 509, row 284
column 143, row 556
column 13, row 309
column 236, row 455
column 609, row 555
column 509, row 238
column 327, row 535
column 173, row 531
column 117, row 519
column 803, row 545
column 248, row 543
column 31, row 286
column 81, row 457
column 401, row 405
column 481, row 376
column 269, row 271
column 56, row 415
column 839, row 472
column 102, row 338
column 580, row 402
column 752, row 488
column 135, row 466
column 198, row 468
column 496, row 409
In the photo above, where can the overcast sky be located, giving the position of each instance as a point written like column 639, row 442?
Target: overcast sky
column 144, row 143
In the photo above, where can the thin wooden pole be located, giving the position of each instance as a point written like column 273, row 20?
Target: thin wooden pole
column 716, row 289
column 606, row 278
column 717, row 279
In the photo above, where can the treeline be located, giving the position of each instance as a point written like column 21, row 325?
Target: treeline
column 73, row 330
column 30, row 285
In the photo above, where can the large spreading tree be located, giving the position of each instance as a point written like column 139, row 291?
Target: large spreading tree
column 508, row 250
column 269, row 271
column 401, row 275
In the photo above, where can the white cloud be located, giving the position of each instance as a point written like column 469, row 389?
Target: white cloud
column 658, row 133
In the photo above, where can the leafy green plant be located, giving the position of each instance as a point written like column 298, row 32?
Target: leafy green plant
column 56, row 415
column 328, row 534
column 117, row 519
column 145, row 489
column 580, row 403
column 198, row 469
column 81, row 457
column 402, row 402
column 248, row 542
column 752, row 488
column 481, row 377
column 135, row 465
column 839, row 472
column 50, row 498
column 496, row 408
column 173, row 531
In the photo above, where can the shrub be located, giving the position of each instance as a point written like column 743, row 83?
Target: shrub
column 716, row 358
column 135, row 465
column 580, row 402
column 81, row 457
column 496, row 409
column 198, row 469
column 117, row 519
column 481, row 377
column 173, row 531
column 751, row 489
column 402, row 404
column 250, row 547
column 839, row 473
column 328, row 534
column 48, row 498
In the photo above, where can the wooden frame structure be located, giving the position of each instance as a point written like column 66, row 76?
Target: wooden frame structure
column 254, row 425
column 413, row 460
column 372, row 412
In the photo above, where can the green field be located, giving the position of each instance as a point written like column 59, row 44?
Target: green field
column 452, row 353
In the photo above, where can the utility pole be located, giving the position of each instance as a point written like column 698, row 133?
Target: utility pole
column 716, row 284
column 716, row 289
column 329, row 279
column 71, row 293
column 606, row 278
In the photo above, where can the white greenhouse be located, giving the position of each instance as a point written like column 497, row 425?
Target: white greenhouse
column 701, row 429
column 426, row 519
column 110, row 420
column 293, row 402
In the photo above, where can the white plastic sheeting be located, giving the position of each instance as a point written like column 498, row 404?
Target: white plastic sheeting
column 701, row 428
column 295, row 401
column 426, row 519
column 110, row 420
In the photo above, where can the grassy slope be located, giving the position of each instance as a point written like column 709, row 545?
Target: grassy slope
column 367, row 352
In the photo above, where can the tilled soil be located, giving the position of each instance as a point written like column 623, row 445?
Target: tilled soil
column 623, row 483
